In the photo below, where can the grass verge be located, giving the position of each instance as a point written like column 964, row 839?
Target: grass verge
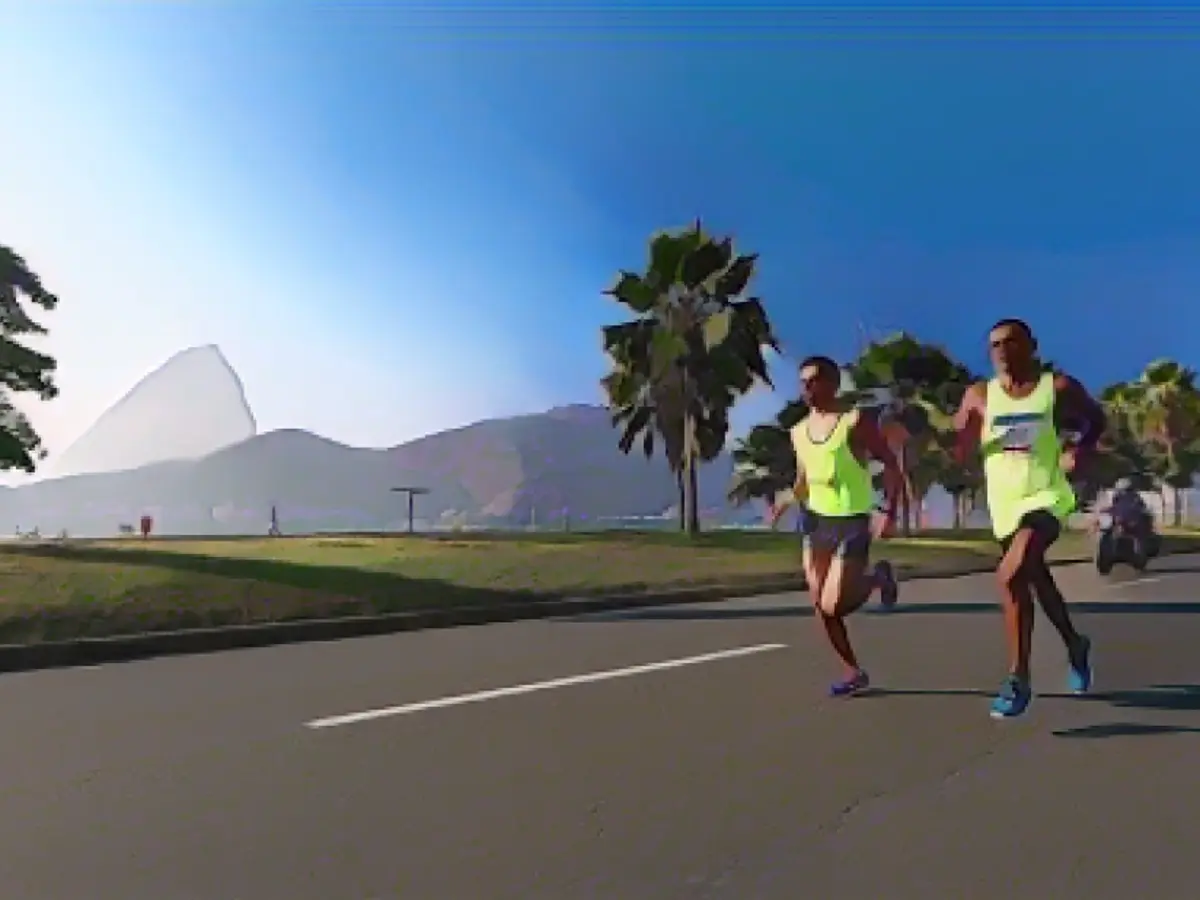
column 57, row 591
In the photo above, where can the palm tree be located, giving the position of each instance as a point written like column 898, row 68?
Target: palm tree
column 697, row 344
column 644, row 411
column 1121, row 452
column 1162, row 408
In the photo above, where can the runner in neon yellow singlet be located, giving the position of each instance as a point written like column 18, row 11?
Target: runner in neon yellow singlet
column 833, row 445
column 1015, row 421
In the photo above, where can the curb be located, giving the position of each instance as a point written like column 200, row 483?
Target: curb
column 127, row 648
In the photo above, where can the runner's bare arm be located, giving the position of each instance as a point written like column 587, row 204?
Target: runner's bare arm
column 1076, row 408
column 968, row 422
column 797, row 495
column 800, row 488
column 869, row 438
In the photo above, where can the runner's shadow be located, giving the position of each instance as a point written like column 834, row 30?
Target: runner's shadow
column 933, row 692
column 1122, row 729
column 1162, row 697
column 1168, row 697
column 1159, row 697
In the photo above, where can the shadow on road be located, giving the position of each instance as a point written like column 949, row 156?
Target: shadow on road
column 1169, row 697
column 1122, row 729
column 701, row 613
column 932, row 692
column 1158, row 698
column 716, row 614
column 1114, row 607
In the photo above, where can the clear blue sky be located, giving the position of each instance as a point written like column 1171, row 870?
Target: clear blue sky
column 400, row 218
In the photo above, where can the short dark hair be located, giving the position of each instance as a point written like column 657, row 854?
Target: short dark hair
column 825, row 366
column 1020, row 324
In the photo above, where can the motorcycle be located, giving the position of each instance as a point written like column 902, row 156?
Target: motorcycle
column 1129, row 539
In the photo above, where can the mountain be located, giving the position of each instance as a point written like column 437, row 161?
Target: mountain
column 189, row 407
column 536, row 468
column 501, row 472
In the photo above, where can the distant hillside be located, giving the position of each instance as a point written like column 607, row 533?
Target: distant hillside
column 190, row 406
column 531, row 468
column 501, row 471
column 314, row 482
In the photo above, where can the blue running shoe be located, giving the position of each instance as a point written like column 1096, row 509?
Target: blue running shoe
column 1013, row 699
column 885, row 577
column 851, row 686
column 1079, row 675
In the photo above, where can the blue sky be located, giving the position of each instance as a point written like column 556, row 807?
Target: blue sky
column 397, row 218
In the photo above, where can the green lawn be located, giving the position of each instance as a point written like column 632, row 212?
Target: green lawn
column 58, row 591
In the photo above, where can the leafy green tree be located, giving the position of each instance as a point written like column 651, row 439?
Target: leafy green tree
column 696, row 345
column 1162, row 410
column 933, row 463
column 1121, row 452
column 22, row 370
column 916, row 387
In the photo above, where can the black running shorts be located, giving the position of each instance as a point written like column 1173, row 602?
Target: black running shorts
column 1041, row 522
column 849, row 537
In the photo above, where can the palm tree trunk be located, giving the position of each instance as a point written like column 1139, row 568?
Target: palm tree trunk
column 694, row 478
column 682, row 497
column 918, row 510
column 690, row 453
column 694, row 491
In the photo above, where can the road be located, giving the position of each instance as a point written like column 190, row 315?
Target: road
column 658, row 754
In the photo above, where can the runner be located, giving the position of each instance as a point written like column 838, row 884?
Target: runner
column 833, row 445
column 1015, row 421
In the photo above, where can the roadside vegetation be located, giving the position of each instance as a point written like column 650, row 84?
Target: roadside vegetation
column 60, row 591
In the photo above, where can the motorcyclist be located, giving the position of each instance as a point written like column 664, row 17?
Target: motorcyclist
column 1127, row 505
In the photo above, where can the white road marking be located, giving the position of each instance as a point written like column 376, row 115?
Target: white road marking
column 515, row 690
column 1137, row 581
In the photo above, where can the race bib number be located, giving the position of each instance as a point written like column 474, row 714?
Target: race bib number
column 1018, row 434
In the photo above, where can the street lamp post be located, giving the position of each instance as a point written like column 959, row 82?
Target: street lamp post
column 411, row 492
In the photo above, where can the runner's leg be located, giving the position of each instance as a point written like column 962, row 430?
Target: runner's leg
column 851, row 578
column 1045, row 589
column 1016, row 593
column 847, row 587
column 817, row 564
column 1017, row 599
column 1053, row 603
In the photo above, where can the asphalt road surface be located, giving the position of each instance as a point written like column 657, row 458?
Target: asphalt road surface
column 661, row 754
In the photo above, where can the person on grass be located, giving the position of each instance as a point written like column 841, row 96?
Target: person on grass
column 1015, row 422
column 834, row 444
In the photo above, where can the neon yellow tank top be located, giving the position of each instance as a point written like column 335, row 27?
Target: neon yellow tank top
column 1021, row 453
column 838, row 484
